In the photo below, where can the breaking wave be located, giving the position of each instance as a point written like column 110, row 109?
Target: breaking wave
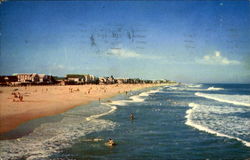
column 195, row 88
column 113, row 108
column 50, row 138
column 186, row 89
column 195, row 85
column 202, row 117
column 243, row 100
column 135, row 98
column 214, row 89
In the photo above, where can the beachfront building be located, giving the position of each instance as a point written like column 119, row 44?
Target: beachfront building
column 28, row 78
column 110, row 80
column 147, row 81
column 60, row 80
column 34, row 78
column 163, row 81
column 75, row 79
column 106, row 80
column 46, row 79
column 90, row 79
column 42, row 78
column 8, row 80
column 121, row 80
column 102, row 80
column 82, row 79
column 134, row 80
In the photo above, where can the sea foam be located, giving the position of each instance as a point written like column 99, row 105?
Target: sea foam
column 120, row 102
column 243, row 100
column 214, row 89
column 135, row 98
column 198, row 115
column 51, row 137
column 113, row 108
column 194, row 85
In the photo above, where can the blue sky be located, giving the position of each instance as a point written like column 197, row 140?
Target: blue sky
column 192, row 41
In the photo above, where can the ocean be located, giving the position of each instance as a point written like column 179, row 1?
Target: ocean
column 188, row 121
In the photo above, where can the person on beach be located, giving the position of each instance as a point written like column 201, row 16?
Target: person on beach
column 21, row 98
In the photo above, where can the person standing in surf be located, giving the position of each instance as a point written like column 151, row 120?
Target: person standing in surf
column 132, row 117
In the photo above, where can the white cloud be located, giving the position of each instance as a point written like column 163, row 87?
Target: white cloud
column 119, row 52
column 60, row 66
column 124, row 53
column 216, row 59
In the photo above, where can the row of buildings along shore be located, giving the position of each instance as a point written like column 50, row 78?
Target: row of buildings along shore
column 24, row 79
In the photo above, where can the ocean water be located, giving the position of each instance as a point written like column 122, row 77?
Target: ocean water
column 190, row 121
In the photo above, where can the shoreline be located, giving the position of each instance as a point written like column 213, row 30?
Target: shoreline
column 42, row 101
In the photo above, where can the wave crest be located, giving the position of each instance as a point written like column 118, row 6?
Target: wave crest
column 214, row 89
column 113, row 108
column 51, row 137
column 197, row 115
column 195, row 86
column 135, row 98
column 243, row 100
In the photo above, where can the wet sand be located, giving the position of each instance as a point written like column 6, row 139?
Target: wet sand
column 40, row 101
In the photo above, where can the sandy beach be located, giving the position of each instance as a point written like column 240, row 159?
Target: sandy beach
column 40, row 101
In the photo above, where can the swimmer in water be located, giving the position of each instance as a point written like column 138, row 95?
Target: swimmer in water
column 110, row 142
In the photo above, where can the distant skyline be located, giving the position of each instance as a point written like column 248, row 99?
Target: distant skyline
column 185, row 41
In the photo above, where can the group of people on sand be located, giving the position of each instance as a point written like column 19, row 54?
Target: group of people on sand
column 111, row 141
column 17, row 97
column 71, row 90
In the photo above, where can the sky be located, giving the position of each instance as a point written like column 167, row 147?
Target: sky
column 185, row 41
